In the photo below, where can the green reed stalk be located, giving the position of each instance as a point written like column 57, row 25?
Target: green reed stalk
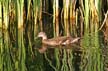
column 86, row 14
column 1, row 40
column 67, row 54
column 55, row 18
column 1, row 53
column 85, row 41
column 0, row 14
column 36, row 8
column 40, row 16
column 98, row 16
column 29, row 27
column 28, row 9
column 21, row 51
column 56, row 29
column 19, row 36
column 5, row 48
column 6, row 13
column 6, row 55
column 72, row 30
column 73, row 18
column 98, row 5
column 20, row 6
column 66, row 16
column 91, row 23
column 69, row 15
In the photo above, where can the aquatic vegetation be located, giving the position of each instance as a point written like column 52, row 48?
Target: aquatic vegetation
column 22, row 20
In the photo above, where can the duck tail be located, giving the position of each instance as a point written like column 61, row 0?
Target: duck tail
column 75, row 40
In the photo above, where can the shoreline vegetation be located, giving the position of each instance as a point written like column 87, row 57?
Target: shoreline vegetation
column 22, row 20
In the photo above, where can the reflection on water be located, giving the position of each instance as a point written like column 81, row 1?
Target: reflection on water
column 44, row 48
column 92, row 60
column 75, row 57
column 88, row 59
column 105, row 58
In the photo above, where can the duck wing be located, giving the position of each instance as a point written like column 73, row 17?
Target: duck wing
column 75, row 40
column 70, row 40
column 55, row 41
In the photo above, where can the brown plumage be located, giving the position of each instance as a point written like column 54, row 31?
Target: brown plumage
column 63, row 40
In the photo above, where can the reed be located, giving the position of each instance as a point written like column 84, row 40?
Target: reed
column 0, row 14
column 5, row 58
column 91, row 33
column 6, row 13
column 19, row 35
column 22, row 20
column 86, row 23
column 56, row 29
column 1, row 39
column 66, row 4
column 36, row 9
column 66, row 16
column 73, row 17
column 56, row 17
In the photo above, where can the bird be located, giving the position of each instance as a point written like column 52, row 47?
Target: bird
column 57, row 41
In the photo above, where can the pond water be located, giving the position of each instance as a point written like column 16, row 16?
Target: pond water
column 87, row 55
column 74, row 58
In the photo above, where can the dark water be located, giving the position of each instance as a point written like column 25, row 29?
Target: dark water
column 68, row 58
column 80, row 59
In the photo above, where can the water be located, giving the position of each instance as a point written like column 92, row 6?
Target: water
column 74, row 59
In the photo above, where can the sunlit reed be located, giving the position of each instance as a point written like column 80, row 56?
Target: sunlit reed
column 21, row 21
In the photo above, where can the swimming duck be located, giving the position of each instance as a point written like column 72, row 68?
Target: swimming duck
column 63, row 40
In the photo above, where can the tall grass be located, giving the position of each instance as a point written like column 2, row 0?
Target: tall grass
column 19, row 27
column 1, row 39
column 92, row 17
column 0, row 14
column 22, row 20
column 56, row 29
column 5, row 57
column 65, row 62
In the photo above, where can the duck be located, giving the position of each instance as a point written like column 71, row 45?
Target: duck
column 56, row 41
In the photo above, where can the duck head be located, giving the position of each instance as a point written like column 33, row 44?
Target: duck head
column 42, row 35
